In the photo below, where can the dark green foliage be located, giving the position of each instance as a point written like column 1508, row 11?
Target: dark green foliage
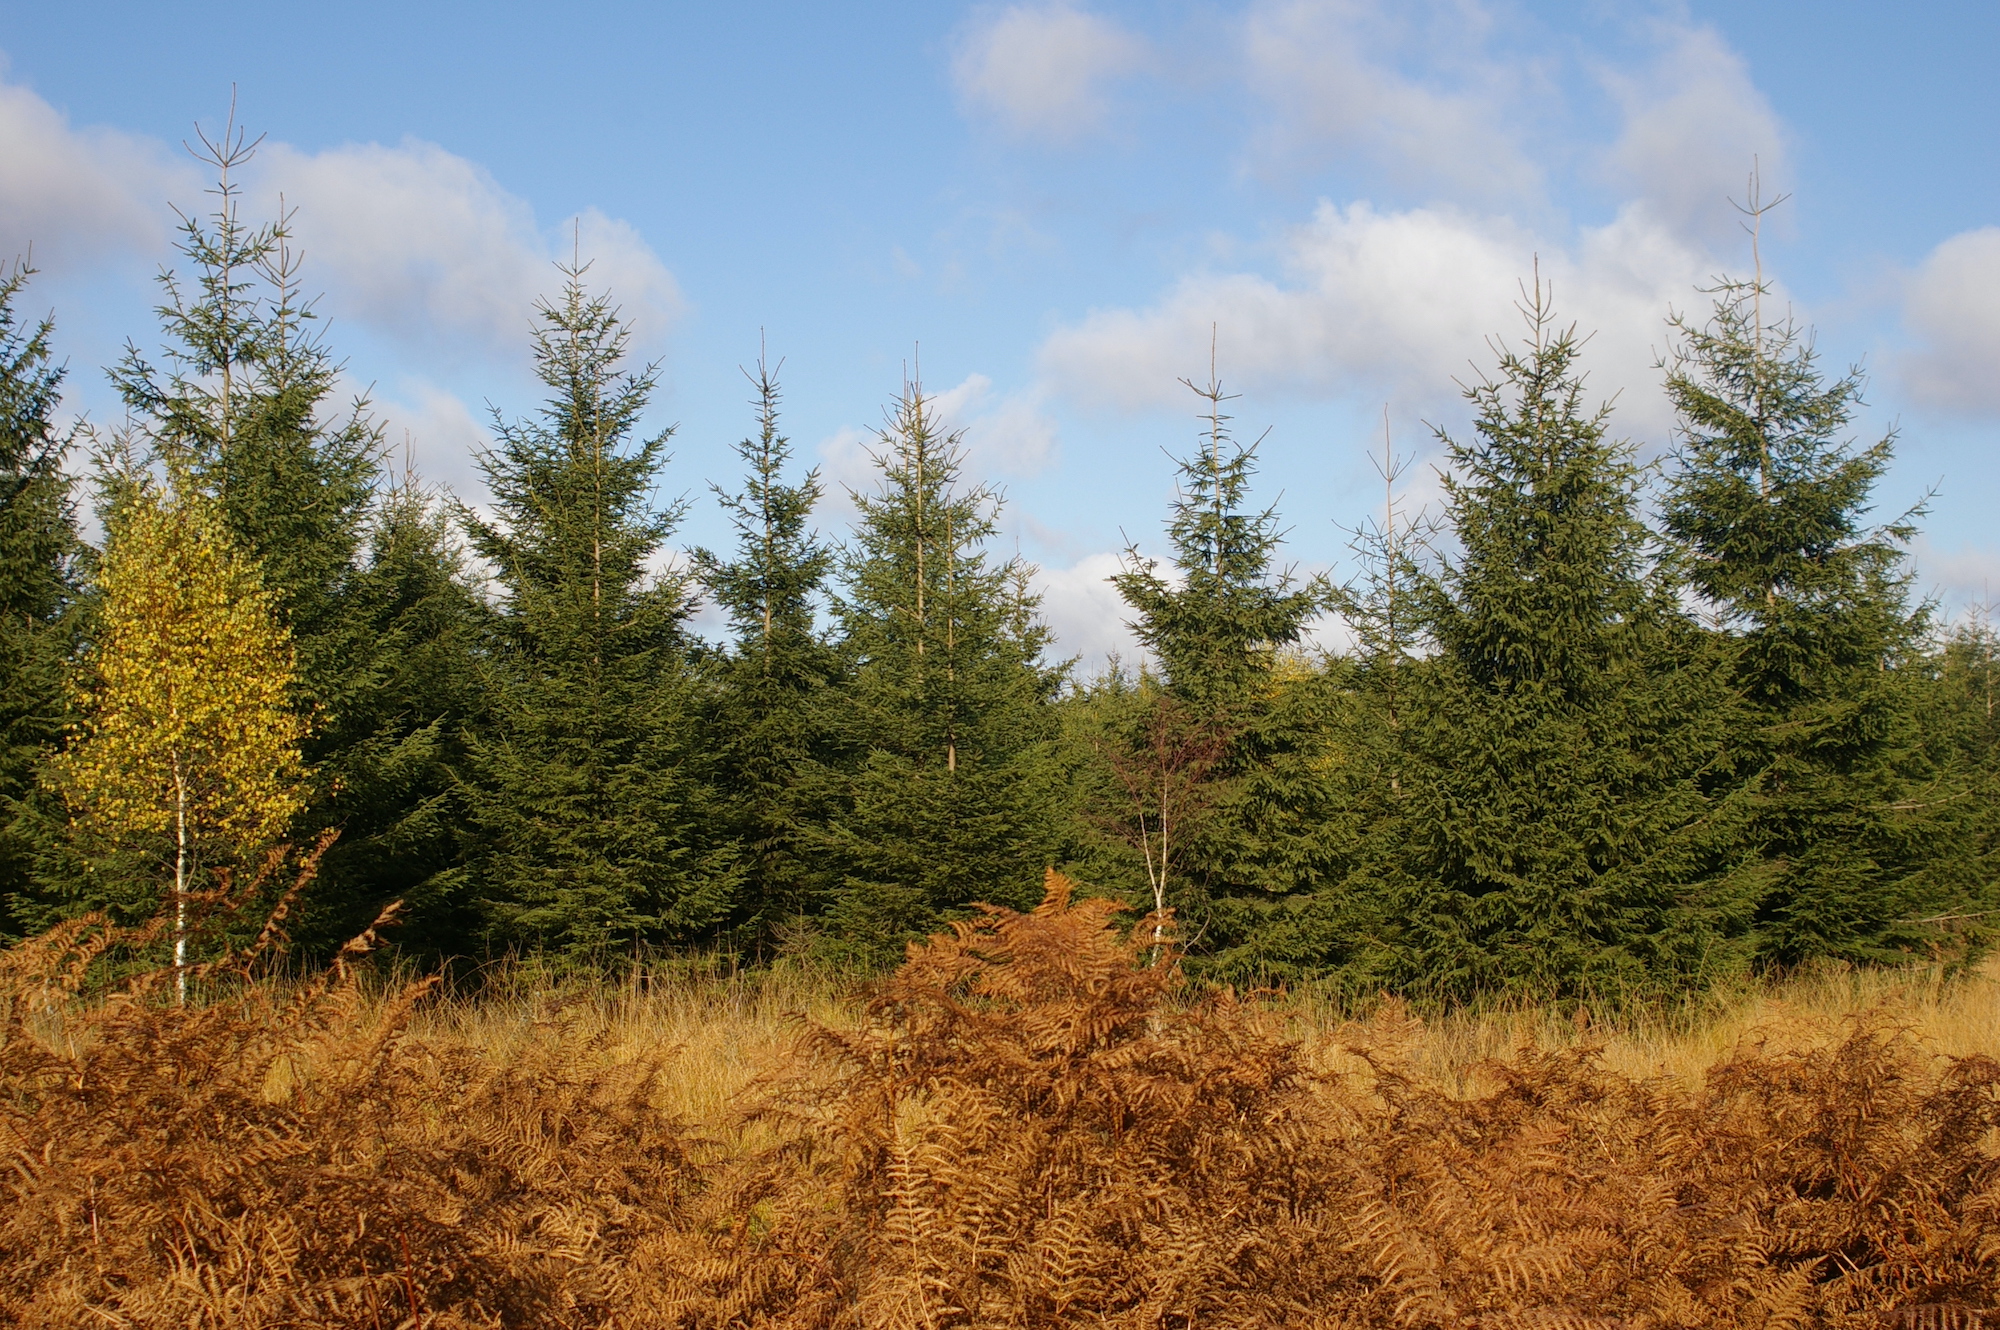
column 369, row 584
column 1222, row 631
column 1214, row 634
column 1552, row 827
column 590, row 800
column 946, row 785
column 396, row 753
column 38, row 550
column 1847, row 818
column 766, row 719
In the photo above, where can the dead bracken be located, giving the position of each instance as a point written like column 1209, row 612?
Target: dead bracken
column 1034, row 1123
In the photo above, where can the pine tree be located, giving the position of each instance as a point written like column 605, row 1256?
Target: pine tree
column 1847, row 822
column 771, row 686
column 38, row 549
column 1553, row 826
column 241, row 401
column 187, row 750
column 590, row 801
column 949, row 787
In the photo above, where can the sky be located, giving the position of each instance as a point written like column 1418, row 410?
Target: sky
column 1053, row 213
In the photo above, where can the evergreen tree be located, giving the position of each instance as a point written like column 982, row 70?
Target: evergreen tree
column 1216, row 632
column 1223, row 630
column 240, row 402
column 771, row 685
column 38, row 548
column 590, row 800
column 1552, row 824
column 950, row 787
column 1847, row 821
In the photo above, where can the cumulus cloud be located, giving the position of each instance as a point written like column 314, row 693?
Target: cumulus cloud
column 72, row 194
column 412, row 241
column 1330, row 71
column 1953, row 306
column 433, row 433
column 1693, row 124
column 1043, row 70
column 1009, row 434
column 1085, row 611
column 1392, row 303
column 426, row 246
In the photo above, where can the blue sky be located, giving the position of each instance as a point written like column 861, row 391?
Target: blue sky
column 1057, row 202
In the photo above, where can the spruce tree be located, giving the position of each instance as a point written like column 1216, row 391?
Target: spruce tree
column 594, row 818
column 771, row 685
column 1215, row 633
column 241, row 402
column 38, row 550
column 1553, row 827
column 1848, row 823
column 948, row 785
column 1224, row 630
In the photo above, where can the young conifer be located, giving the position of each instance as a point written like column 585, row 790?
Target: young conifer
column 38, row 548
column 1220, row 629
column 1552, row 823
column 1847, row 824
column 595, row 826
column 767, row 716
column 241, row 401
column 948, row 787
column 1214, row 633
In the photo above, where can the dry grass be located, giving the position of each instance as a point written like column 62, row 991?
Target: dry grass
column 1029, row 1125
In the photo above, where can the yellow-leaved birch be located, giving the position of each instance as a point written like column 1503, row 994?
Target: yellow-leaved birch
column 187, row 726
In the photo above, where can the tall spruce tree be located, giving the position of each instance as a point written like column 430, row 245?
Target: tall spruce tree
column 767, row 715
column 1222, row 627
column 1849, row 822
column 948, row 785
column 38, row 549
column 241, row 403
column 1553, row 829
column 595, row 820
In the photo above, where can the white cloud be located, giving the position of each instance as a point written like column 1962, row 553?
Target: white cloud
column 432, row 432
column 1085, row 611
column 847, row 464
column 1042, row 70
column 1392, row 304
column 1010, row 435
column 1694, row 123
column 1329, row 70
column 72, row 194
column 427, row 247
column 1953, row 305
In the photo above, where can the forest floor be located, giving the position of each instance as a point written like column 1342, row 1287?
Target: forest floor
column 1028, row 1125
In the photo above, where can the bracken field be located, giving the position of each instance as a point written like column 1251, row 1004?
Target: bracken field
column 1034, row 1122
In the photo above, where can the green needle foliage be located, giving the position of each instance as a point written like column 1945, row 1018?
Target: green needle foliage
column 1215, row 628
column 767, row 718
column 947, row 785
column 38, row 589
column 1220, row 627
column 595, row 821
column 241, row 403
column 1847, row 815
column 1552, row 825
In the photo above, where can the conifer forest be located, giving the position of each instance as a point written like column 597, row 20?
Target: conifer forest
column 1029, row 994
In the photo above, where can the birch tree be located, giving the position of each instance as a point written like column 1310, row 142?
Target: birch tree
column 187, row 746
